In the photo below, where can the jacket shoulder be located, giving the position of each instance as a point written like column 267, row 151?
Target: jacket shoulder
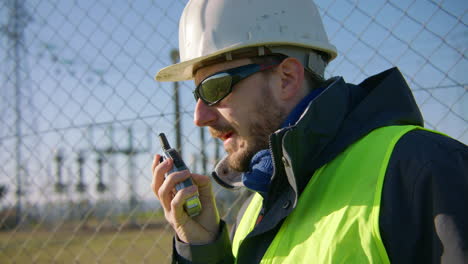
column 423, row 143
column 423, row 215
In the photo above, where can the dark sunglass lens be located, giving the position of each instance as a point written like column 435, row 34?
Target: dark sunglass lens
column 215, row 88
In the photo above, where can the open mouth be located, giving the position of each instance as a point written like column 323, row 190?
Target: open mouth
column 226, row 136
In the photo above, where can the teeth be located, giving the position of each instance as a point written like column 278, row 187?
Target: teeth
column 226, row 136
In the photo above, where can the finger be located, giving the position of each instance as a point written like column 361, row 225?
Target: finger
column 165, row 197
column 166, row 189
column 159, row 174
column 203, row 182
column 177, row 204
column 156, row 161
column 176, row 177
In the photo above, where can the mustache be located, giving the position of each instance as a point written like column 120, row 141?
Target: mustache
column 219, row 131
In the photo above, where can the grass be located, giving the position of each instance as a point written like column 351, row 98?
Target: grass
column 151, row 244
column 113, row 240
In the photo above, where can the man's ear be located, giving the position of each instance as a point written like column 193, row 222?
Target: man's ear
column 291, row 73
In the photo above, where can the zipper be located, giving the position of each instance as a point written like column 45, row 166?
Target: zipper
column 273, row 137
column 260, row 216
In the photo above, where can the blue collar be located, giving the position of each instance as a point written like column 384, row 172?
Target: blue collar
column 258, row 177
column 296, row 113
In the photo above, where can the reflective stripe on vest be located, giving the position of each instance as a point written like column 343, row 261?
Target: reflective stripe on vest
column 336, row 219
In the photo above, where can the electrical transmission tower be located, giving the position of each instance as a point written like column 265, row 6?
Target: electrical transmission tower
column 16, row 79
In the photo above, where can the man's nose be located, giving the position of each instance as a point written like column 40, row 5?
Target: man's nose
column 204, row 115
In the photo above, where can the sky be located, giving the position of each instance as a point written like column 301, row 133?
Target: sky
column 88, row 64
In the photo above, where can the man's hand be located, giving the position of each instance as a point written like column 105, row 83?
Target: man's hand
column 201, row 229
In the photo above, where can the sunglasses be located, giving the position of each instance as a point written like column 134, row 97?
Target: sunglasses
column 216, row 87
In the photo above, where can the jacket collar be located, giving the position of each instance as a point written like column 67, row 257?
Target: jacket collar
column 341, row 115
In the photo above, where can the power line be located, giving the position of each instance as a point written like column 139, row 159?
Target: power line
column 460, row 85
column 104, row 123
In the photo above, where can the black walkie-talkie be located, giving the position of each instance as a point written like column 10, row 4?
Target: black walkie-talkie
column 192, row 205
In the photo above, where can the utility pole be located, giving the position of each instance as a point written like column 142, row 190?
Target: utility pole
column 216, row 155
column 14, row 31
column 177, row 122
column 80, row 186
column 202, row 150
column 60, row 186
column 110, row 160
column 131, row 152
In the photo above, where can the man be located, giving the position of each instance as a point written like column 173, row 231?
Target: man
column 341, row 173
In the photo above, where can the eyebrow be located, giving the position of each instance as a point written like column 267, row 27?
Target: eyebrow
column 206, row 76
column 222, row 70
column 195, row 72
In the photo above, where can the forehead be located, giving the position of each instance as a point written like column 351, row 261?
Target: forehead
column 206, row 71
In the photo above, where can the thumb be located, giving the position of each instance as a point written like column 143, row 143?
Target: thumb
column 204, row 186
column 201, row 180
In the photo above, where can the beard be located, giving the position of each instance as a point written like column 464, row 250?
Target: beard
column 265, row 119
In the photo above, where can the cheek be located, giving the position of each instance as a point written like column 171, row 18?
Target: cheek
column 240, row 108
column 230, row 115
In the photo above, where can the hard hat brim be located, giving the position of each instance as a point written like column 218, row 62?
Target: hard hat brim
column 183, row 71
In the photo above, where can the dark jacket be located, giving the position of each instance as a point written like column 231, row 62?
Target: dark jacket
column 424, row 208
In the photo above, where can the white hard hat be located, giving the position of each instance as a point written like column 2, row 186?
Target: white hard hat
column 209, row 28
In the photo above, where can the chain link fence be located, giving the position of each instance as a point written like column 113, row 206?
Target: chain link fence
column 80, row 112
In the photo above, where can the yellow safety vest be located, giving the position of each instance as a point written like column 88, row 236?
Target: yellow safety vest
column 336, row 219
